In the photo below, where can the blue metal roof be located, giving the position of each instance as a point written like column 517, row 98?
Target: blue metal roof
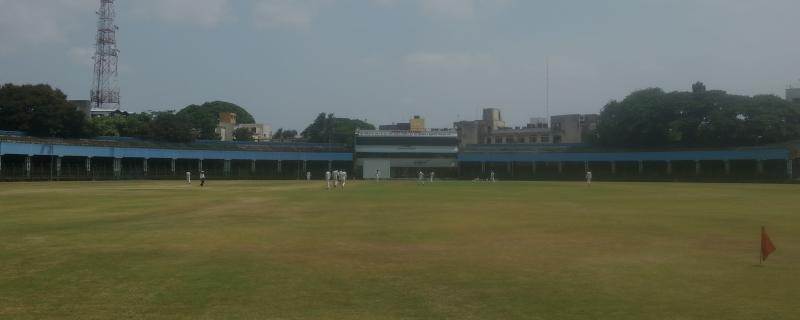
column 120, row 152
column 753, row 154
column 12, row 133
column 33, row 149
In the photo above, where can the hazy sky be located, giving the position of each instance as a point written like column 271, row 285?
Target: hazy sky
column 386, row 60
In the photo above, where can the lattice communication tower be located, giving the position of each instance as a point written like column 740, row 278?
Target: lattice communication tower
column 105, row 89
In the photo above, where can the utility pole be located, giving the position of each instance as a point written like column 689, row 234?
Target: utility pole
column 547, row 93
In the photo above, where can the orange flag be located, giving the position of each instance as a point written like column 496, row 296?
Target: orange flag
column 766, row 245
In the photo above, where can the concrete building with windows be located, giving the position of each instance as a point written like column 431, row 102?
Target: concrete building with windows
column 85, row 106
column 403, row 153
column 260, row 132
column 572, row 128
column 479, row 131
column 227, row 125
column 521, row 135
column 402, row 126
column 564, row 129
column 416, row 123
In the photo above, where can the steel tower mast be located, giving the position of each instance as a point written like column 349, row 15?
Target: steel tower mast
column 105, row 90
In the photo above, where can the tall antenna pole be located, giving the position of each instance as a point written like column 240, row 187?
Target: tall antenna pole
column 547, row 93
column 105, row 90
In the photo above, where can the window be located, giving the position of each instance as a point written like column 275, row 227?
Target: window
column 545, row 139
column 532, row 139
column 556, row 139
column 520, row 139
column 498, row 140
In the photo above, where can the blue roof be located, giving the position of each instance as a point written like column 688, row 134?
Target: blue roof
column 33, row 149
column 752, row 154
column 12, row 133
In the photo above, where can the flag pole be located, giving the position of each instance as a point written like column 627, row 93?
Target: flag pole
column 766, row 245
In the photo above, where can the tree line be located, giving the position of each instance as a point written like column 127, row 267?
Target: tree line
column 42, row 111
column 700, row 118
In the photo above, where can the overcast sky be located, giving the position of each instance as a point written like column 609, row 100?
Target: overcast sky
column 386, row 60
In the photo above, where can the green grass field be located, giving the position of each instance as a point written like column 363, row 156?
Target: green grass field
column 452, row 250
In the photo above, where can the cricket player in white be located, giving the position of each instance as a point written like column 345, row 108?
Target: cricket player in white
column 308, row 176
column 328, row 179
column 421, row 178
column 188, row 177
column 335, row 178
column 343, row 177
column 378, row 175
column 433, row 174
column 588, row 178
column 491, row 176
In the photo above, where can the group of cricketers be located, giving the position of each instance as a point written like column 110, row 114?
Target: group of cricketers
column 202, row 177
column 421, row 177
column 334, row 178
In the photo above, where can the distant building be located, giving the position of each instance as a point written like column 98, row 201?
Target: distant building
column 95, row 112
column 403, row 126
column 417, row 124
column 525, row 135
column 493, row 119
column 403, row 153
column 492, row 129
column 85, row 106
column 469, row 132
column 261, row 132
column 538, row 122
column 227, row 125
column 227, row 118
column 479, row 131
column 572, row 128
column 793, row 95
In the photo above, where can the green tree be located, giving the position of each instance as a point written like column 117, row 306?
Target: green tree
column 288, row 134
column 243, row 134
column 698, row 90
column 205, row 117
column 41, row 111
column 702, row 118
column 105, row 126
column 283, row 135
column 768, row 119
column 636, row 120
column 328, row 128
column 168, row 126
column 131, row 125
column 317, row 130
